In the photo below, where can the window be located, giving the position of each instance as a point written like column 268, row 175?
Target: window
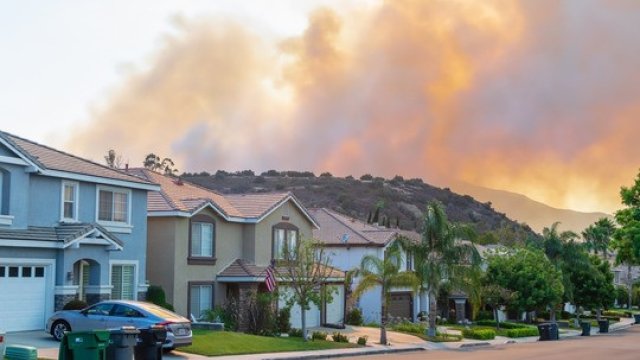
column 13, row 271
column 285, row 240
column 26, row 271
column 409, row 261
column 201, row 239
column 69, row 201
column 200, row 299
column 1, row 192
column 39, row 271
column 113, row 205
column 2, row 271
column 123, row 282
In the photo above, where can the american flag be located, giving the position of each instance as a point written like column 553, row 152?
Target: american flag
column 270, row 278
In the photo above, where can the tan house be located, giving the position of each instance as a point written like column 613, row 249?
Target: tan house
column 205, row 247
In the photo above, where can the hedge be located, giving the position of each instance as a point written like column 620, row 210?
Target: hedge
column 524, row 332
column 409, row 328
column 479, row 334
column 503, row 325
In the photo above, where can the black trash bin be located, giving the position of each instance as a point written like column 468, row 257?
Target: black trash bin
column 149, row 344
column 604, row 325
column 548, row 331
column 636, row 317
column 121, row 343
column 586, row 328
column 554, row 333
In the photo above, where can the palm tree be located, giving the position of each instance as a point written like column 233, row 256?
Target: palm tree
column 374, row 272
column 442, row 258
column 604, row 229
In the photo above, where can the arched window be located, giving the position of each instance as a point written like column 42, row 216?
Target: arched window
column 285, row 241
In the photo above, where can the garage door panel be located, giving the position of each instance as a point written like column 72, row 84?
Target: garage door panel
column 335, row 309
column 312, row 315
column 400, row 305
column 22, row 298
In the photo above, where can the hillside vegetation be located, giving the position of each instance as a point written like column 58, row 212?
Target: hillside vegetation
column 400, row 201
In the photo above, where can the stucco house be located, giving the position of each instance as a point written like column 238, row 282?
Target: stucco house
column 69, row 228
column 205, row 248
column 348, row 240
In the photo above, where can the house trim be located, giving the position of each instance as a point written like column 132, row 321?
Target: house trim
column 12, row 160
column 6, row 220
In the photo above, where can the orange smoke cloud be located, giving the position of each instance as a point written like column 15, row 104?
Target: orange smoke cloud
column 534, row 97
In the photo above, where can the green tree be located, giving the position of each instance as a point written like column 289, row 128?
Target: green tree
column 384, row 273
column 598, row 235
column 113, row 160
column 152, row 162
column 593, row 285
column 529, row 274
column 440, row 257
column 626, row 238
column 495, row 297
column 306, row 269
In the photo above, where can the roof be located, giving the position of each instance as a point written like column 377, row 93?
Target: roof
column 241, row 268
column 64, row 233
column 45, row 159
column 182, row 196
column 340, row 230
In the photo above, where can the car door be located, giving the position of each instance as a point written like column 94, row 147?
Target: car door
column 95, row 317
column 123, row 315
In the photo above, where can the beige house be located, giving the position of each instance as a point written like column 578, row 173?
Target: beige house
column 204, row 247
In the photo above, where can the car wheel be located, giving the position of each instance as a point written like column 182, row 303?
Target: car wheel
column 59, row 328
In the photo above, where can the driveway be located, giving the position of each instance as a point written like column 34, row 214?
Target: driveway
column 373, row 335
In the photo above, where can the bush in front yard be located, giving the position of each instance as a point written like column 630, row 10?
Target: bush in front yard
column 156, row 295
column 283, row 321
column 338, row 337
column 479, row 334
column 354, row 317
column 75, row 305
column 524, row 332
column 409, row 328
column 362, row 340
column 295, row 332
column 503, row 325
column 319, row 335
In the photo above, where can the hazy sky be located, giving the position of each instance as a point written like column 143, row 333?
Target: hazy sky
column 535, row 96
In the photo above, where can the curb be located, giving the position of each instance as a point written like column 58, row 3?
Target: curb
column 468, row 345
column 349, row 354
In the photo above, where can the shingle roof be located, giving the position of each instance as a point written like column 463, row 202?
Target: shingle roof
column 64, row 233
column 180, row 195
column 48, row 158
column 335, row 228
column 242, row 268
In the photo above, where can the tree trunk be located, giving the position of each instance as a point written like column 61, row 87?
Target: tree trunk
column 304, row 323
column 496, row 317
column 552, row 315
column 383, row 319
column 432, row 314
column 598, row 314
column 629, row 285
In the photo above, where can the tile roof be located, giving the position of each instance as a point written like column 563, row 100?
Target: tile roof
column 180, row 195
column 64, row 233
column 243, row 268
column 335, row 228
column 48, row 158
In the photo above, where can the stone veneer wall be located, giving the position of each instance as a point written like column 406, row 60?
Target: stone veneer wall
column 246, row 293
column 61, row 300
column 142, row 296
column 95, row 298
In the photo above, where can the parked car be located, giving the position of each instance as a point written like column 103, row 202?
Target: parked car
column 115, row 314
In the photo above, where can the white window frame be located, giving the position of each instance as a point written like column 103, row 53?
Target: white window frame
column 287, row 240
column 213, row 240
column 76, row 201
column 115, row 226
column 135, row 264
column 211, row 298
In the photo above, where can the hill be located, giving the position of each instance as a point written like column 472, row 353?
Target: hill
column 401, row 201
column 535, row 214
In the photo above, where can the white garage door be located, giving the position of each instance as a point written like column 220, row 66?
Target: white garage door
column 312, row 315
column 22, row 297
column 335, row 309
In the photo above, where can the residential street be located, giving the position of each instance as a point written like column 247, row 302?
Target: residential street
column 620, row 345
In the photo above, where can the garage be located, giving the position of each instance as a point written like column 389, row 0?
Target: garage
column 401, row 305
column 312, row 315
column 23, row 295
column 334, row 310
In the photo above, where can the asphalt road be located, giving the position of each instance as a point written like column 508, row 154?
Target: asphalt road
column 621, row 345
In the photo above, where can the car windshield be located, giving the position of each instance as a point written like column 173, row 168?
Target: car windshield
column 161, row 312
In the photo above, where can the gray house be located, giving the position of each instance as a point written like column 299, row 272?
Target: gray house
column 69, row 228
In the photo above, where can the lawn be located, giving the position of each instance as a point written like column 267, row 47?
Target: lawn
column 217, row 343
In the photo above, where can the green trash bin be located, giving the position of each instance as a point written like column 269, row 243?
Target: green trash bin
column 84, row 345
column 121, row 343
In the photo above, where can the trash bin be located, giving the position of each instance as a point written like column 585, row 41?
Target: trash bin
column 604, row 325
column 121, row 343
column 636, row 317
column 85, row 345
column 548, row 331
column 586, row 328
column 149, row 344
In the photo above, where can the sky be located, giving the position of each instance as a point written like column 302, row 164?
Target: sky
column 538, row 97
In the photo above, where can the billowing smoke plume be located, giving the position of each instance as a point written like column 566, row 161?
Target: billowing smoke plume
column 535, row 96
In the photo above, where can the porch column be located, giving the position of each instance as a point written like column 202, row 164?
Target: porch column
column 246, row 293
column 461, row 311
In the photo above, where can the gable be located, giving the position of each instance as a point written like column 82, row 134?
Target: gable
column 4, row 151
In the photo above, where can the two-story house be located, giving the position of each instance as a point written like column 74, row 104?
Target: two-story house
column 69, row 228
column 348, row 240
column 205, row 248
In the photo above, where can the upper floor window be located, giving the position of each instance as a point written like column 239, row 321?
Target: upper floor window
column 202, row 241
column 285, row 241
column 1, row 191
column 113, row 205
column 69, row 201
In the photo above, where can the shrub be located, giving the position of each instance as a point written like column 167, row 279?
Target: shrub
column 503, row 325
column 283, row 321
column 293, row 332
column 156, row 295
column 75, row 305
column 362, row 340
column 261, row 314
column 484, row 315
column 338, row 337
column 354, row 317
column 516, row 333
column 409, row 328
column 479, row 334
column 319, row 335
